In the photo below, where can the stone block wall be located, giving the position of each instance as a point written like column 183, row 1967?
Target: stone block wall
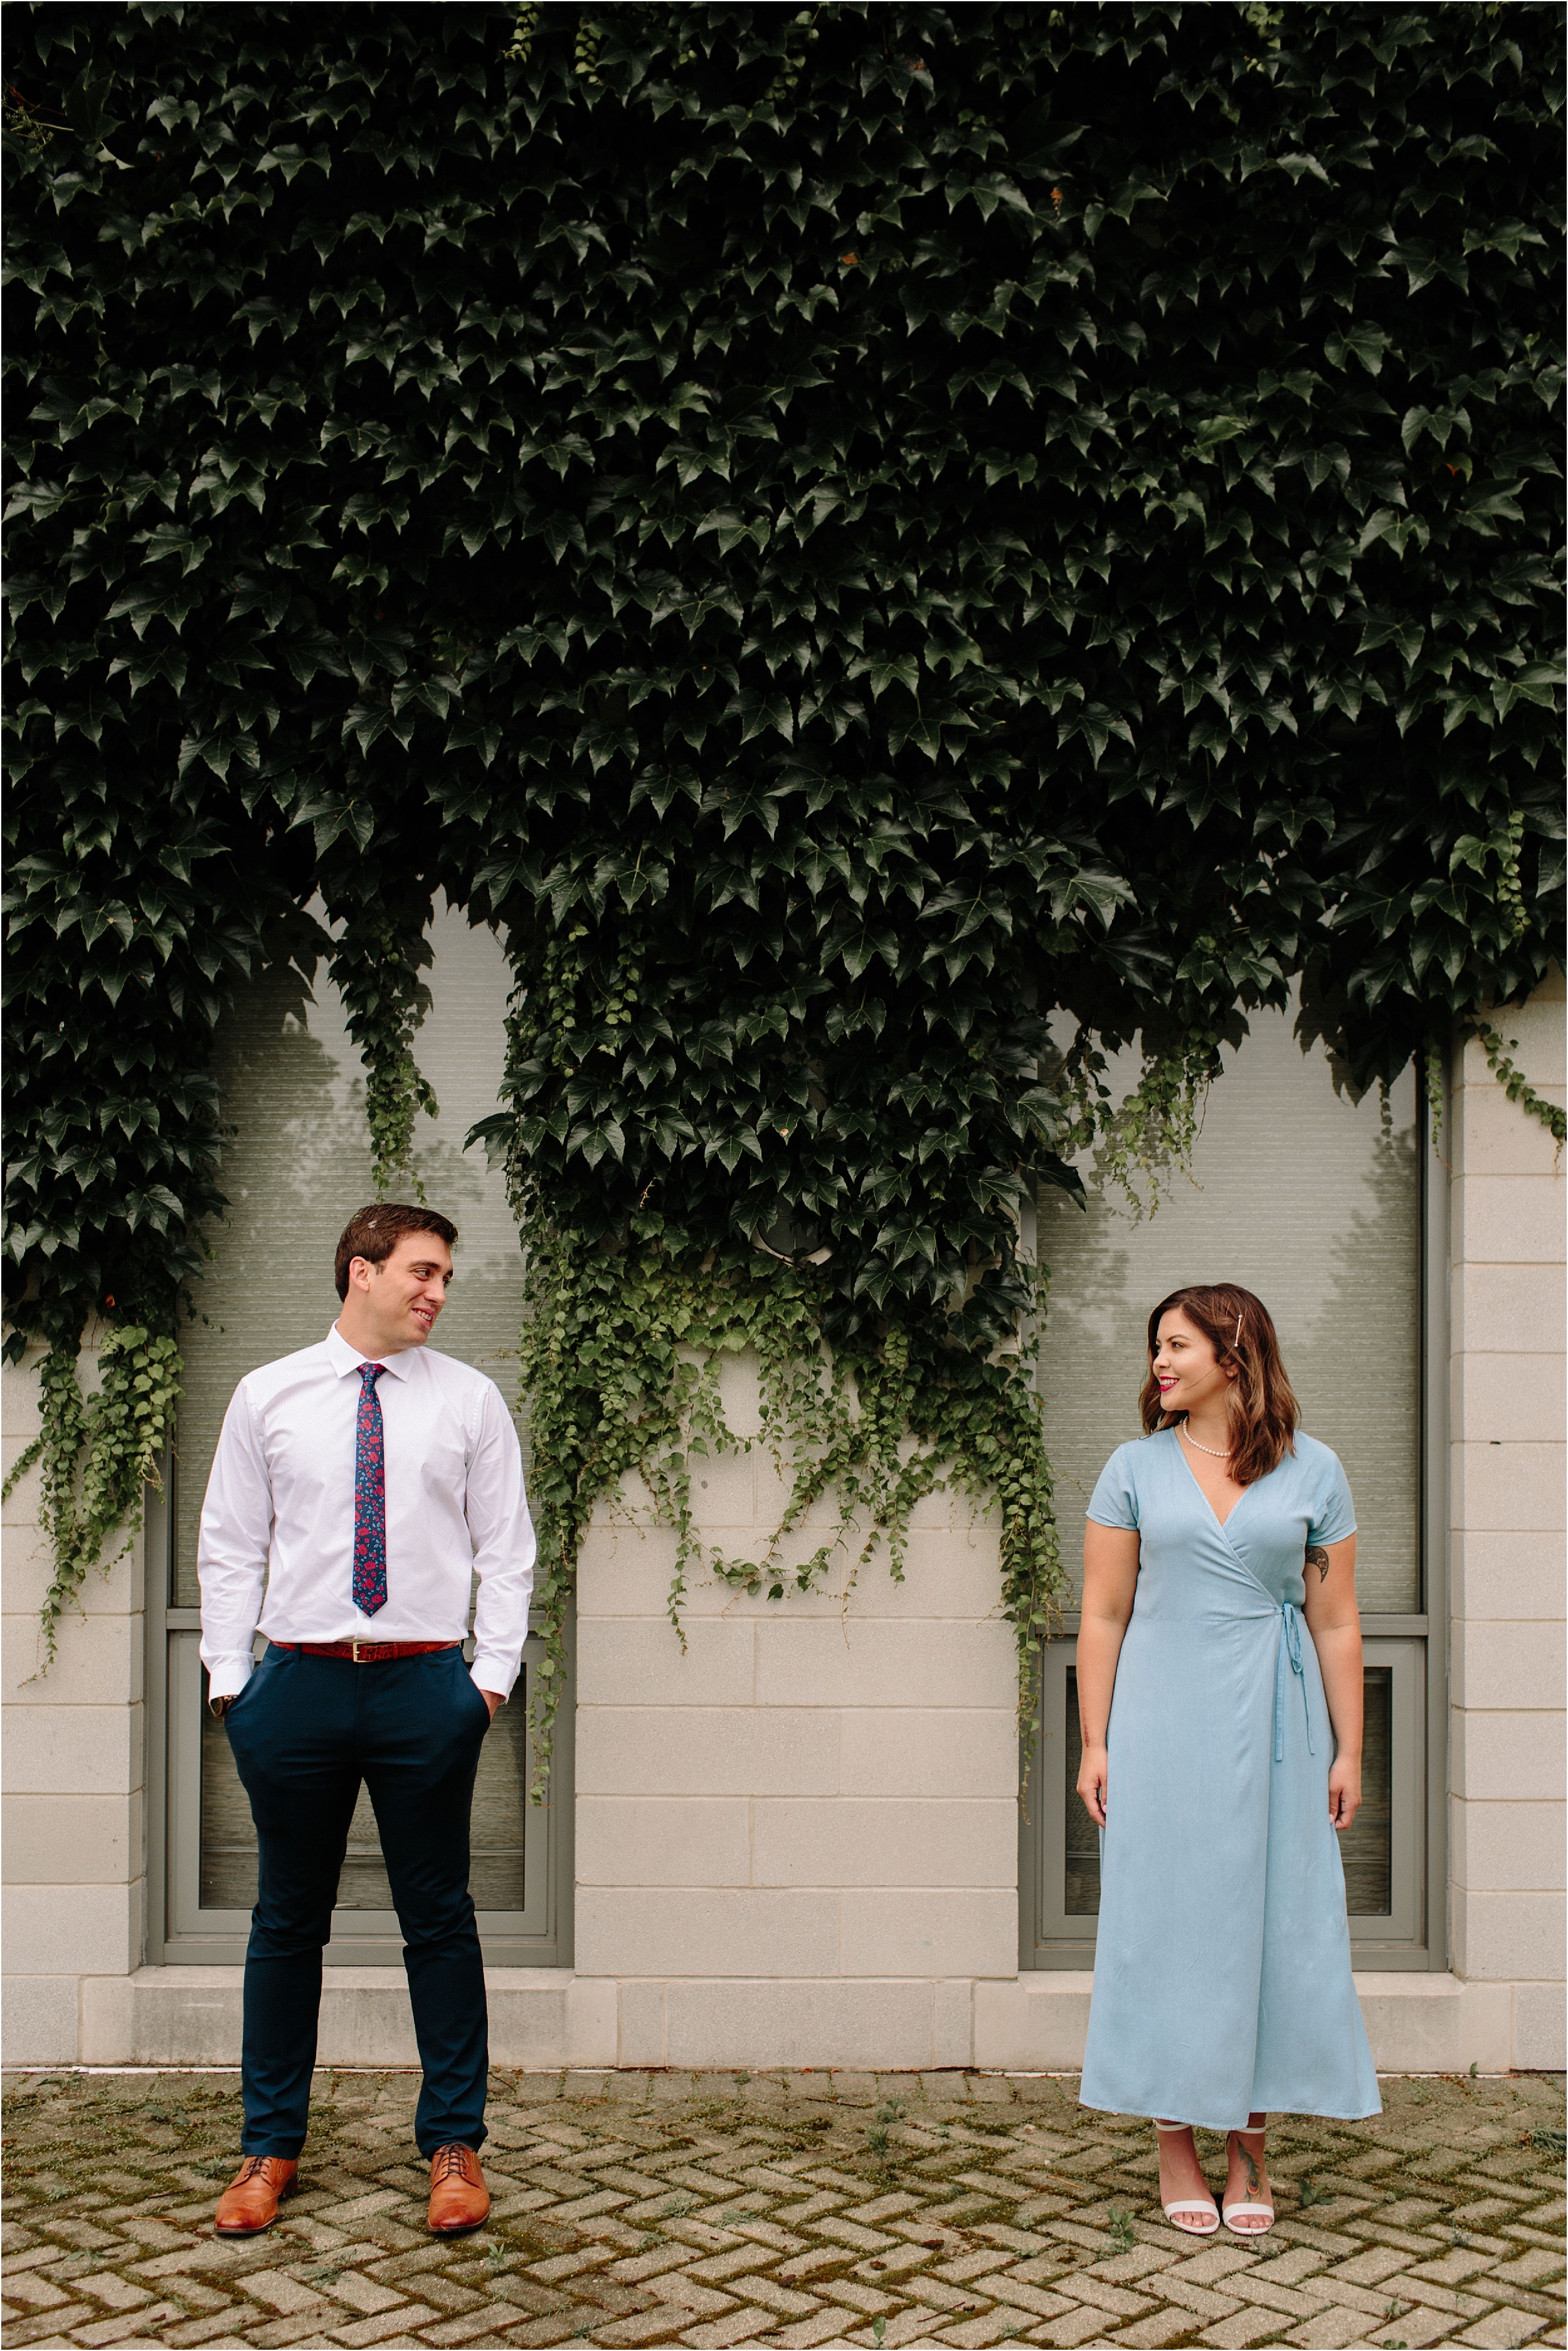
column 797, row 1837
column 74, row 1766
column 1505, row 1665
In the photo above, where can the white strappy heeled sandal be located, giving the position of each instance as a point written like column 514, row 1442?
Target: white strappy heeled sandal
column 1264, row 2213
column 1207, row 2207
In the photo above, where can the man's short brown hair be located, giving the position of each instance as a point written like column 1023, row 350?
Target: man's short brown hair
column 375, row 1232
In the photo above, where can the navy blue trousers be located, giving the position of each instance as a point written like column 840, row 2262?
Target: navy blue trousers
column 304, row 1732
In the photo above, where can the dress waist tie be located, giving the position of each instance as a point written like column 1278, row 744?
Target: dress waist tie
column 1290, row 1647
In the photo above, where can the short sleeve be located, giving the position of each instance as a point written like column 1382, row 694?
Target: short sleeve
column 1114, row 1501
column 1334, row 1512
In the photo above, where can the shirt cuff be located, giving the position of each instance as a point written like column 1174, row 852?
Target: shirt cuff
column 230, row 1675
column 492, row 1672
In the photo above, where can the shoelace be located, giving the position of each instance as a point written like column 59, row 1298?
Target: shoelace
column 449, row 2159
column 252, row 2165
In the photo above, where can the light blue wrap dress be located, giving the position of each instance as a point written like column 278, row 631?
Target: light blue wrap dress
column 1222, row 1974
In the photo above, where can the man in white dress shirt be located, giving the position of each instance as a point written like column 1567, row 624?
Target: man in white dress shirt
column 363, row 1483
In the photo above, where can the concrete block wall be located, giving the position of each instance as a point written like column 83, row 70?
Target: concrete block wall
column 1506, row 1680
column 74, row 1766
column 797, row 1837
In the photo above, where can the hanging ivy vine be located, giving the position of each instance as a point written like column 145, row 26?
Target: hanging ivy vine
column 621, row 1362
column 98, row 1458
column 889, row 551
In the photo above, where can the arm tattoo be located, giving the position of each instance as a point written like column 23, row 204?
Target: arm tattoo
column 1319, row 1559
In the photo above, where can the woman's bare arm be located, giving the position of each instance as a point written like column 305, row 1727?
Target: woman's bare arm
column 1110, row 1579
column 1334, row 1621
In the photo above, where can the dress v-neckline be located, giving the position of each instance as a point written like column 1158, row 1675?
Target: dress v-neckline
column 1220, row 1522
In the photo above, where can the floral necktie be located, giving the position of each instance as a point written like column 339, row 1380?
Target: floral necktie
column 370, row 1497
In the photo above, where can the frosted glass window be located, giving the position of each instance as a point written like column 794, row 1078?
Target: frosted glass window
column 293, row 1087
column 1312, row 1201
column 1365, row 1848
column 498, row 1830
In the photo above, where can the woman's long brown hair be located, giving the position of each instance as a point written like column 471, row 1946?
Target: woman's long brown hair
column 1263, row 1410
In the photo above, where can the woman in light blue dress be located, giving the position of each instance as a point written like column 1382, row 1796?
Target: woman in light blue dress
column 1220, row 1683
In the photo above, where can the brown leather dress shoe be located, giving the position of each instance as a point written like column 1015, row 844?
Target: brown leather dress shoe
column 250, row 2201
column 459, row 2199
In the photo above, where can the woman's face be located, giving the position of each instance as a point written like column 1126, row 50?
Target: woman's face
column 1189, row 1377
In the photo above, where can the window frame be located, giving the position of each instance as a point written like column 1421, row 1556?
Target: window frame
column 176, row 1934
column 1414, row 1937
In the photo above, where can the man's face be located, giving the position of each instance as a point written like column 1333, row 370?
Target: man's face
column 402, row 1296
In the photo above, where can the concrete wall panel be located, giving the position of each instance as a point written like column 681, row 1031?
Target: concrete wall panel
column 1508, row 1574
column 38, row 2022
column 96, row 1928
column 1505, row 1757
column 1509, row 1220
column 696, row 1750
column 1518, row 1399
column 97, row 1662
column 73, row 1840
column 74, row 1751
column 882, row 1663
column 864, row 2025
column 942, row 1751
column 929, row 1932
column 1509, row 1848
column 663, row 1840
column 1508, row 1667
column 1517, row 1937
column 707, row 1930
column 622, row 1662
column 885, row 1841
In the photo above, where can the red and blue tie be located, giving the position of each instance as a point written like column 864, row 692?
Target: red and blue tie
column 369, row 1497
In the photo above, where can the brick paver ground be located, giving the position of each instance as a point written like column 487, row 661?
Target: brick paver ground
column 783, row 2210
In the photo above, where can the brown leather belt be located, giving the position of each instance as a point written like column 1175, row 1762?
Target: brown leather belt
column 366, row 1653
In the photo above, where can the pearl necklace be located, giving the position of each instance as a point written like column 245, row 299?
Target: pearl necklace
column 1214, row 1451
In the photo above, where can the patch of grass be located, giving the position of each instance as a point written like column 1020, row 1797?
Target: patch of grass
column 1119, row 2228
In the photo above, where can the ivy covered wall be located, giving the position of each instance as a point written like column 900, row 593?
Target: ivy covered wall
column 842, row 532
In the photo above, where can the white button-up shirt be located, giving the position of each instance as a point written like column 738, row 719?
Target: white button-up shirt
column 279, row 1509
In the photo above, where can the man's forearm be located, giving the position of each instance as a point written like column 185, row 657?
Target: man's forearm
column 231, row 1551
column 231, row 1606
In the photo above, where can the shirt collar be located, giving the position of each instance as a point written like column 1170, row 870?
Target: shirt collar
column 344, row 1358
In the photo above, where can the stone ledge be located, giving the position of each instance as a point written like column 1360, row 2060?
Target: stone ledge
column 191, row 2016
column 545, row 2018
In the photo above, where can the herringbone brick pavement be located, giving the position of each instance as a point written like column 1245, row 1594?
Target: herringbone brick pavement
column 781, row 2210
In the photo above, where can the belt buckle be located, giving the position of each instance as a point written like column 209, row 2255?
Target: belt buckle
column 354, row 1646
